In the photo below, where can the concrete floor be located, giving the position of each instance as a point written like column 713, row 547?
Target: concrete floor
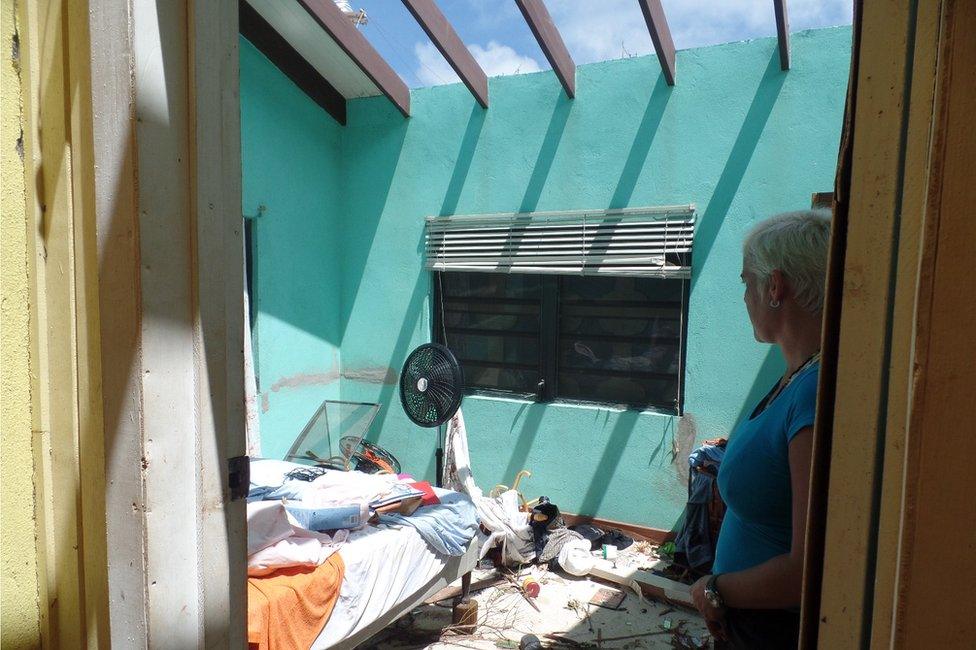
column 504, row 616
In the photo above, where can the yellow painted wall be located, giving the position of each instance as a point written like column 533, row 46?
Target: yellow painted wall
column 19, row 625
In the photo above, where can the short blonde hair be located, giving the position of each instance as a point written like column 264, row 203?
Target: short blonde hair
column 796, row 244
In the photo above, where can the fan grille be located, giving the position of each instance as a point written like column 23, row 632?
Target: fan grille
column 431, row 385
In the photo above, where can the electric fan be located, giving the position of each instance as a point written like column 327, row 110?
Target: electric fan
column 431, row 385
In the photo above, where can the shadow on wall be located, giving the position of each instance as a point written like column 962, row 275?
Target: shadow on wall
column 388, row 397
column 547, row 153
column 462, row 164
column 643, row 139
column 737, row 163
column 370, row 192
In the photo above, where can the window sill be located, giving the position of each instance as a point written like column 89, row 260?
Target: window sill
column 527, row 398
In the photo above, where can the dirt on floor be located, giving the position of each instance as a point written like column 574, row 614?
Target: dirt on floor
column 562, row 617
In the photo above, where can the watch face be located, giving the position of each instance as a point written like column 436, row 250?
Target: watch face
column 712, row 598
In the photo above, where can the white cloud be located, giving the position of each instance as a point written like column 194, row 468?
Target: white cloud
column 611, row 29
column 495, row 59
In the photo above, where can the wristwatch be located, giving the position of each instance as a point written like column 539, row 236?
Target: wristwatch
column 711, row 593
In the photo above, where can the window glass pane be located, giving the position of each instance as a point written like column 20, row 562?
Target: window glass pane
column 491, row 322
column 620, row 340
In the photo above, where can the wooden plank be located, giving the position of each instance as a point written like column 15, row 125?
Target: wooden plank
column 355, row 45
column 217, row 231
column 782, row 33
column 303, row 74
column 450, row 592
column 650, row 584
column 450, row 45
column 91, row 442
column 657, row 25
column 863, row 354
column 115, row 221
column 935, row 587
column 913, row 203
column 53, row 336
column 551, row 42
column 638, row 532
column 172, row 421
column 813, row 567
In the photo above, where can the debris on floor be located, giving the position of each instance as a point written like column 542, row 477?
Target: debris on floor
column 567, row 612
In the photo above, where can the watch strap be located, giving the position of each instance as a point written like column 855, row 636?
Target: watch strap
column 712, row 586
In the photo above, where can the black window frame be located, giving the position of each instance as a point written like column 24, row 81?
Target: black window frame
column 549, row 348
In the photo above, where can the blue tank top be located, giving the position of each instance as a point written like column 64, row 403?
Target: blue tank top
column 754, row 478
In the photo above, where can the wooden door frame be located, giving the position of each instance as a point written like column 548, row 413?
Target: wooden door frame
column 876, row 442
column 133, row 175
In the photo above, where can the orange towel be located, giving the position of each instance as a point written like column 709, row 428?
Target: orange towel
column 289, row 608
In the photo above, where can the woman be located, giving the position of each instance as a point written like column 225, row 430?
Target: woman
column 752, row 599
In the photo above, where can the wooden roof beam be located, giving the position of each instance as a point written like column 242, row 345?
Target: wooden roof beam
column 450, row 45
column 355, row 45
column 657, row 25
column 545, row 31
column 782, row 33
column 293, row 65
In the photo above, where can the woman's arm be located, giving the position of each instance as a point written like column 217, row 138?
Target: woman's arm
column 776, row 583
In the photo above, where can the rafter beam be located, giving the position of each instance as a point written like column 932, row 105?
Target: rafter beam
column 293, row 65
column 657, row 25
column 545, row 31
column 782, row 33
column 450, row 45
column 344, row 33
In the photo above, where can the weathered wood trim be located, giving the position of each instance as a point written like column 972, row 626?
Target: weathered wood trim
column 54, row 343
column 782, row 33
column 354, row 44
column 657, row 25
column 303, row 74
column 217, row 230
column 935, row 586
column 916, row 173
column 551, row 42
column 637, row 531
column 451, row 47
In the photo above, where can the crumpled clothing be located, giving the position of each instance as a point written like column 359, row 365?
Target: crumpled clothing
column 446, row 527
column 557, row 539
column 269, row 480
column 457, row 460
column 575, row 557
column 508, row 526
column 707, row 457
column 337, row 488
column 302, row 548
column 267, row 524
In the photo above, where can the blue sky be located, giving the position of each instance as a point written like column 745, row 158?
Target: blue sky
column 594, row 30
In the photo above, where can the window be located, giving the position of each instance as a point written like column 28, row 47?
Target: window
column 603, row 339
column 587, row 305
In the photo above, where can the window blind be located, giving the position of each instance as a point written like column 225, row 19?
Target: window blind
column 648, row 242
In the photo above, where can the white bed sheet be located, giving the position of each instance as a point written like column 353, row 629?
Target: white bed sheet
column 384, row 566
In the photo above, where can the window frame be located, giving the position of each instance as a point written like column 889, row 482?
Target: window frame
column 549, row 349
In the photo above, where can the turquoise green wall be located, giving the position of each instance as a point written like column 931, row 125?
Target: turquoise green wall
column 736, row 136
column 291, row 160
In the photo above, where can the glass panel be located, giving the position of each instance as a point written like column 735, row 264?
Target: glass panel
column 620, row 340
column 491, row 322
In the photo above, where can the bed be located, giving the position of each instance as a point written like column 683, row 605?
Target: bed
column 389, row 568
column 389, row 571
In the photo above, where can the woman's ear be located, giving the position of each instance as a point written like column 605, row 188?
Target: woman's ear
column 776, row 286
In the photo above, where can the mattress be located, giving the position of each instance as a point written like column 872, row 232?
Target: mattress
column 389, row 570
